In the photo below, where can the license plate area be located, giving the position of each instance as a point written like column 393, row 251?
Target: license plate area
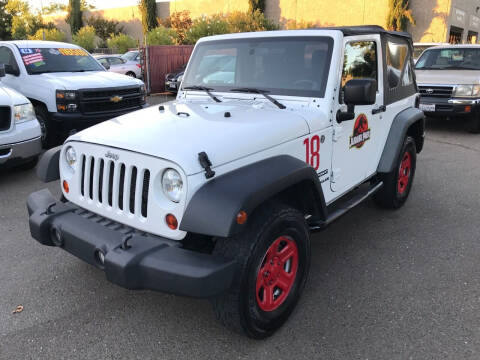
column 427, row 107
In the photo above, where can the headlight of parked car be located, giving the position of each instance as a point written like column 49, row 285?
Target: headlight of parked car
column 22, row 113
column 172, row 185
column 180, row 78
column 66, row 101
column 70, row 157
column 467, row 91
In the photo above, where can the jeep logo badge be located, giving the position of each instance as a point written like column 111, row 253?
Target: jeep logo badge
column 111, row 155
column 116, row 99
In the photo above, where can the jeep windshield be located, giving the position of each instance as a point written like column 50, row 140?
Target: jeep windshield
column 296, row 66
column 450, row 59
column 53, row 60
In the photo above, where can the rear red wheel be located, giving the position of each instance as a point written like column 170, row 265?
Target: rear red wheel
column 277, row 273
column 404, row 173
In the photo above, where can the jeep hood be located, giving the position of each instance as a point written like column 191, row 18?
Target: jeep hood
column 87, row 80
column 173, row 135
column 447, row 77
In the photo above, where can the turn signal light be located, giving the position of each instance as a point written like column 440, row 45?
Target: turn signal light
column 241, row 217
column 171, row 221
column 66, row 188
column 468, row 108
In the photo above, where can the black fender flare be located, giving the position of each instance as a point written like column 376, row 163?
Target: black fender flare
column 213, row 209
column 400, row 125
column 48, row 166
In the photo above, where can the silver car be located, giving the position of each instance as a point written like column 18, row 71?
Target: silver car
column 120, row 65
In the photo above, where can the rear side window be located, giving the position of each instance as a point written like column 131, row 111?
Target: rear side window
column 399, row 70
column 115, row 61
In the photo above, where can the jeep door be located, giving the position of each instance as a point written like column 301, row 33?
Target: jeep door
column 356, row 142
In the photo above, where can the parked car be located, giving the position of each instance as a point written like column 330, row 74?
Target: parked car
column 174, row 79
column 420, row 47
column 119, row 65
column 214, row 195
column 133, row 56
column 449, row 82
column 20, row 134
column 67, row 86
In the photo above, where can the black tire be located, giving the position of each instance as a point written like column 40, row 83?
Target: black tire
column 240, row 308
column 131, row 74
column 393, row 194
column 474, row 124
column 48, row 132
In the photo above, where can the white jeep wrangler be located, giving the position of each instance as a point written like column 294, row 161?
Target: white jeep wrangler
column 215, row 194
column 69, row 89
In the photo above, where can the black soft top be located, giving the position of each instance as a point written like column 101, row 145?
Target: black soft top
column 364, row 30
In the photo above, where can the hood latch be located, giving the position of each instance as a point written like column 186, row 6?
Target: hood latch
column 206, row 164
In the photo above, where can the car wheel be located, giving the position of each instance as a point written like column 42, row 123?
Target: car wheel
column 45, row 126
column 474, row 124
column 398, row 183
column 273, row 256
column 131, row 74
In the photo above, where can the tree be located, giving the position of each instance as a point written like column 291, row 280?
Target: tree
column 24, row 22
column 148, row 9
column 104, row 28
column 399, row 15
column 121, row 43
column 86, row 38
column 48, row 34
column 162, row 36
column 5, row 22
column 179, row 21
column 74, row 17
column 255, row 5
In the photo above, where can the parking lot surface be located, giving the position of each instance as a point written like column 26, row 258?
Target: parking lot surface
column 383, row 285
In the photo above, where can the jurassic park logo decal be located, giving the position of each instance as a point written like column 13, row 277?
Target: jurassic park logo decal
column 361, row 132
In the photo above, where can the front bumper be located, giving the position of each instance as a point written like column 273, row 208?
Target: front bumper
column 132, row 259
column 449, row 107
column 20, row 151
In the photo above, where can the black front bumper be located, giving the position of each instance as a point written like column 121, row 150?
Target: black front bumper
column 451, row 107
column 132, row 259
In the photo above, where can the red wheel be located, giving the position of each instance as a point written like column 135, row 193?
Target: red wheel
column 404, row 173
column 277, row 273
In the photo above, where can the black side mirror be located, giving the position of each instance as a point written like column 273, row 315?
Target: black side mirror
column 357, row 92
column 2, row 70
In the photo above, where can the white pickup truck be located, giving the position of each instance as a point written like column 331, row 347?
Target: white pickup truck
column 20, row 142
column 215, row 194
column 68, row 88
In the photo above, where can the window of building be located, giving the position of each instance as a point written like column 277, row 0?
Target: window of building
column 456, row 35
column 472, row 37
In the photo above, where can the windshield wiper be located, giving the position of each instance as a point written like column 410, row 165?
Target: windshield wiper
column 202, row 88
column 261, row 92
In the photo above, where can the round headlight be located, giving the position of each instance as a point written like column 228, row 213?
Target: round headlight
column 172, row 185
column 70, row 156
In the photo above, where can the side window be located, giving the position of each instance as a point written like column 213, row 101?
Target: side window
column 8, row 59
column 115, row 61
column 397, row 60
column 360, row 61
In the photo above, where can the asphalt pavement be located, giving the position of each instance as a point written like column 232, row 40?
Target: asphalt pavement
column 383, row 284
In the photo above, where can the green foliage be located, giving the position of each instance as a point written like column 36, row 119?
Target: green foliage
column 104, row 28
column 246, row 22
column 256, row 5
column 50, row 34
column 5, row 22
column 54, row 7
column 74, row 17
column 206, row 26
column 162, row 36
column 86, row 38
column 148, row 9
column 399, row 15
column 180, row 22
column 23, row 21
column 121, row 43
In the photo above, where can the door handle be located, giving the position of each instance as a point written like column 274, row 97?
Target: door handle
column 379, row 110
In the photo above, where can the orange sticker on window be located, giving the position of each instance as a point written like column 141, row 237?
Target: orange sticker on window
column 73, row 52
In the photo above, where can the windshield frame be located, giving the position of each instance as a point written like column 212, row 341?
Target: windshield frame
column 49, row 71
column 327, row 39
column 447, row 67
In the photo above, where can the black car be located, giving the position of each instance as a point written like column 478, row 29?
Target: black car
column 173, row 80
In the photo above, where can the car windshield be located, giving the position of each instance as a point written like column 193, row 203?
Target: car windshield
column 450, row 59
column 49, row 60
column 296, row 66
column 130, row 56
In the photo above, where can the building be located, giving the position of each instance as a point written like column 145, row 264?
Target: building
column 455, row 21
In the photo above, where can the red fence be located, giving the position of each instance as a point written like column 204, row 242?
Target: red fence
column 164, row 59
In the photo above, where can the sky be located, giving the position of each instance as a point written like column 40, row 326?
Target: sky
column 99, row 4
